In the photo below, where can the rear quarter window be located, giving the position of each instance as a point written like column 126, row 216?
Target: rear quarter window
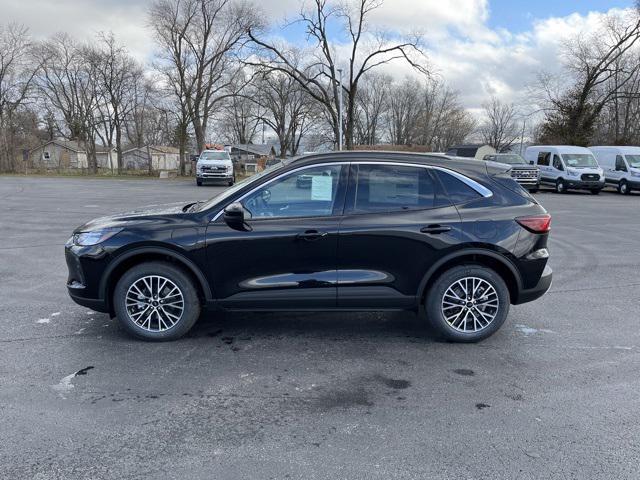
column 457, row 191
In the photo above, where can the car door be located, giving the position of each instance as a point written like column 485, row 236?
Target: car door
column 544, row 164
column 557, row 168
column 286, row 258
column 397, row 223
column 620, row 170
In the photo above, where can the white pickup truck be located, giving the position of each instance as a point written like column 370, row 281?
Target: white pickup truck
column 215, row 165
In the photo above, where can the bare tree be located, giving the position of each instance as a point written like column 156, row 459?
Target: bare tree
column 372, row 103
column 499, row 128
column 404, row 111
column 594, row 61
column 197, row 39
column 67, row 79
column 117, row 74
column 16, row 77
column 285, row 107
column 319, row 76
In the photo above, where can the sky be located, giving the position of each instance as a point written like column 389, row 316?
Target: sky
column 479, row 47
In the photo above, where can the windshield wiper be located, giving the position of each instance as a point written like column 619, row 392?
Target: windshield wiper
column 190, row 207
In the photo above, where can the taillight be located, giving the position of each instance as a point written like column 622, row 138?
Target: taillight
column 536, row 223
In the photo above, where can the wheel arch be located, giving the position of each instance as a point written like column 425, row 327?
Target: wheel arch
column 478, row 256
column 133, row 257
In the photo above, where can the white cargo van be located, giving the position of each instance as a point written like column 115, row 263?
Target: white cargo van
column 566, row 167
column 621, row 166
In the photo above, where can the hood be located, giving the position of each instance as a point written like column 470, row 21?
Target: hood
column 215, row 163
column 149, row 214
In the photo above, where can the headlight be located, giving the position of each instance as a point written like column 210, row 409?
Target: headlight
column 572, row 172
column 86, row 239
column 230, row 168
column 198, row 168
column 635, row 174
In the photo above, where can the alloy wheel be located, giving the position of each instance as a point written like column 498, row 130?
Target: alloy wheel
column 154, row 303
column 470, row 304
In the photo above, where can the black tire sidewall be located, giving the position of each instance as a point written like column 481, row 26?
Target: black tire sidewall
column 438, row 288
column 177, row 276
column 626, row 185
column 564, row 186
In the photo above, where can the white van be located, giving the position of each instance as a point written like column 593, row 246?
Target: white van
column 621, row 166
column 566, row 167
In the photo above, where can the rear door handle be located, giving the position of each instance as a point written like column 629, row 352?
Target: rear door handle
column 436, row 229
column 310, row 235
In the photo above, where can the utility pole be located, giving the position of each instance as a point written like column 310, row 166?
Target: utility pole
column 524, row 122
column 340, row 113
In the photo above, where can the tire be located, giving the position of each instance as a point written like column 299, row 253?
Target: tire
column 533, row 190
column 451, row 328
column 232, row 181
column 623, row 187
column 560, row 186
column 595, row 191
column 157, row 326
column 199, row 182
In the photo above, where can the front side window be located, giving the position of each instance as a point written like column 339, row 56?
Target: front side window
column 620, row 165
column 390, row 188
column 579, row 160
column 309, row 192
column 557, row 164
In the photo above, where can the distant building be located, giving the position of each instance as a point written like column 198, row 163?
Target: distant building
column 59, row 154
column 162, row 158
column 250, row 157
column 472, row 150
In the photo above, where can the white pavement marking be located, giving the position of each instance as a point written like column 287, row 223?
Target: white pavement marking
column 43, row 320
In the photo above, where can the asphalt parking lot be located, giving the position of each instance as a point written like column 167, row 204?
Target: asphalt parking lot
column 554, row 394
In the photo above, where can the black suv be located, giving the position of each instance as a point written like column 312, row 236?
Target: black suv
column 457, row 240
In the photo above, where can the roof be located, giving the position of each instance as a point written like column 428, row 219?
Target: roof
column 72, row 145
column 470, row 145
column 156, row 148
column 255, row 148
column 564, row 148
column 438, row 159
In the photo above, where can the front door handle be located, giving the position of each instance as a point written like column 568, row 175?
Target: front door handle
column 436, row 229
column 310, row 235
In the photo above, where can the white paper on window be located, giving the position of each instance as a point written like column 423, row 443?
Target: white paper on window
column 321, row 188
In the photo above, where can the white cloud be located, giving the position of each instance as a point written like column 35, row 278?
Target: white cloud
column 462, row 49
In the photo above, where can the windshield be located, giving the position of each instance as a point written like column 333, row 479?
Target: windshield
column 579, row 160
column 633, row 160
column 239, row 186
column 511, row 159
column 221, row 155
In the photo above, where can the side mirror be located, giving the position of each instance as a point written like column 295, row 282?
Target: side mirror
column 234, row 217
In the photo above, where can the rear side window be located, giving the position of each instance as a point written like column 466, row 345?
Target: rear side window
column 388, row 188
column 458, row 191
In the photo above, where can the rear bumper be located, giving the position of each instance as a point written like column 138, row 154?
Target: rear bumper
column 539, row 290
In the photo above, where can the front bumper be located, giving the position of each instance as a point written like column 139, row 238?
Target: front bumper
column 214, row 176
column 83, row 264
column 584, row 185
column 539, row 290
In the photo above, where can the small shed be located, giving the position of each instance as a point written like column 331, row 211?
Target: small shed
column 162, row 158
column 59, row 154
column 251, row 157
column 472, row 150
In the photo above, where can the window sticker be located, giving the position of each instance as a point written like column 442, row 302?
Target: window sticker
column 321, row 188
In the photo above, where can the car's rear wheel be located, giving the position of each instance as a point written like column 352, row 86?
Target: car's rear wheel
column 156, row 301
column 467, row 303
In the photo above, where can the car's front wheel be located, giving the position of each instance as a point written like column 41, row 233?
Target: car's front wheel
column 623, row 187
column 467, row 303
column 560, row 186
column 156, row 301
